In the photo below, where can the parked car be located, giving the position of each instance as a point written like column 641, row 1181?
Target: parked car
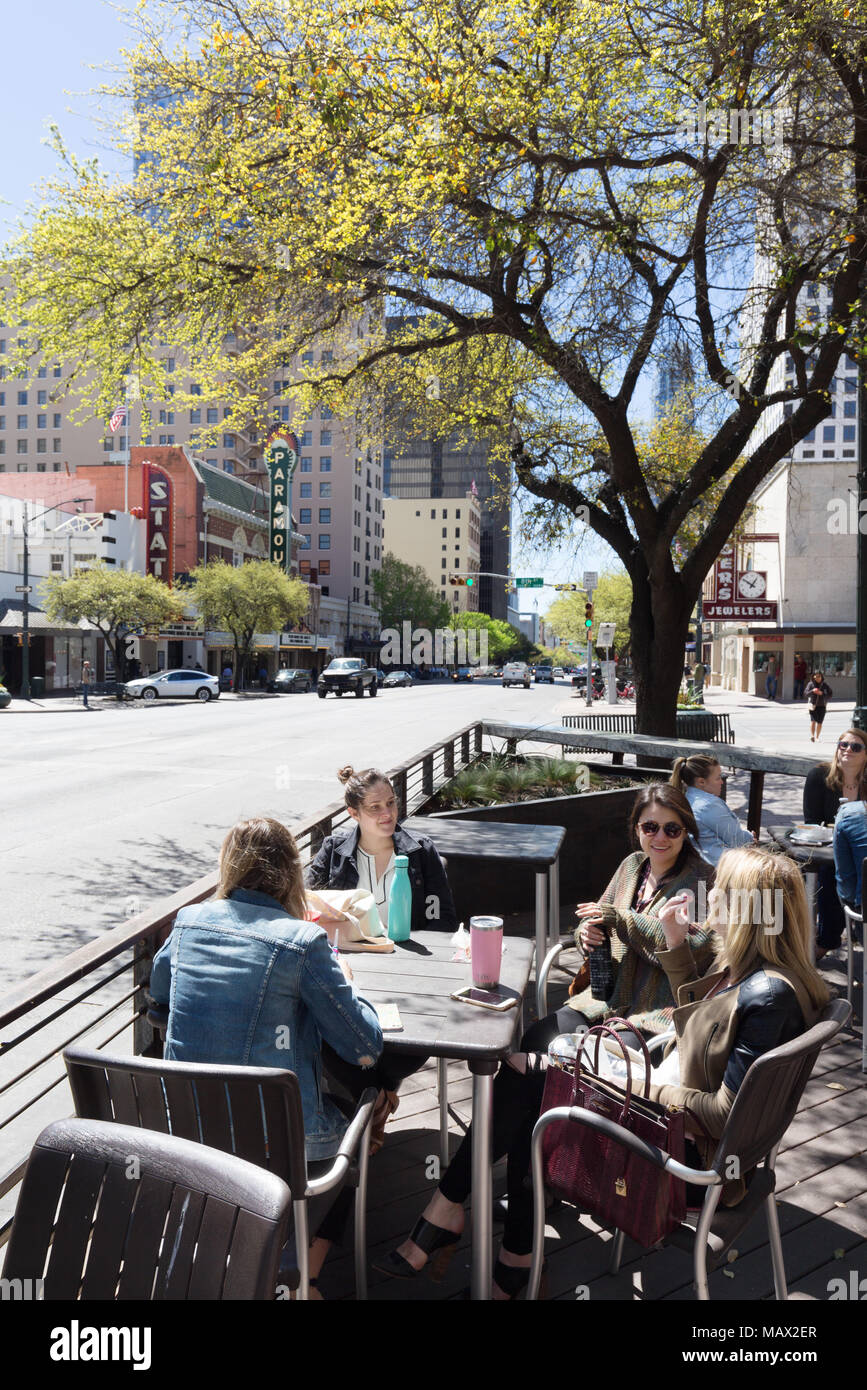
column 544, row 675
column 516, row 673
column 291, row 680
column 174, row 685
column 559, row 673
column 347, row 675
column 395, row 678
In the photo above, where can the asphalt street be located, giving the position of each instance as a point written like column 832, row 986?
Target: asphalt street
column 109, row 810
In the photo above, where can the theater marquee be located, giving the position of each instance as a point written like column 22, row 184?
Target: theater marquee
column 159, row 511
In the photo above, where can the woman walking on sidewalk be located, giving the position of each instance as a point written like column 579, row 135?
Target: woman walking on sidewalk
column 818, row 694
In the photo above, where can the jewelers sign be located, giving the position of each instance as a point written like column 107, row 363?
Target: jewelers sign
column 281, row 460
column 159, row 510
column 737, row 611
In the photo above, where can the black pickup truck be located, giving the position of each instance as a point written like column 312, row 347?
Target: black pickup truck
column 347, row 675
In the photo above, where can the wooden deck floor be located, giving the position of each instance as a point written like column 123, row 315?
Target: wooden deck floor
column 821, row 1191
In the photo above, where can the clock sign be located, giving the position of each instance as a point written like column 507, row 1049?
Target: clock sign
column 751, row 584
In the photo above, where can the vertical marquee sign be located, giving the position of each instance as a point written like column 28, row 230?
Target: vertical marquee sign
column 281, row 460
column 159, row 510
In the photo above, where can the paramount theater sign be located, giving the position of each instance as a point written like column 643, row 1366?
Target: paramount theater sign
column 159, row 512
column 281, row 460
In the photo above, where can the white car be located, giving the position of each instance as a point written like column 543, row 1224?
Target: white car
column 517, row 673
column 174, row 685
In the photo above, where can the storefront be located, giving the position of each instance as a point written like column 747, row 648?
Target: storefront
column 741, row 658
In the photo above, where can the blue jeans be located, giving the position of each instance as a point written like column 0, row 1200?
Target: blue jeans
column 772, row 687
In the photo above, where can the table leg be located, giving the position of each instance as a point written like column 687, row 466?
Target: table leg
column 483, row 1095
column 541, row 919
column 553, row 904
column 811, row 878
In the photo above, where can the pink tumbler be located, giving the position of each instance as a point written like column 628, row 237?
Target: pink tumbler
column 486, row 949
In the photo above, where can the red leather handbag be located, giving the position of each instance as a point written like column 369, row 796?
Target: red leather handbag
column 616, row 1187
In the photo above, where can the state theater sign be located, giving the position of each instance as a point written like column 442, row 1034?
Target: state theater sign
column 159, row 512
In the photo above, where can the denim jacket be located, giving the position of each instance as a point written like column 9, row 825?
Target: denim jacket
column 433, row 907
column 248, row 985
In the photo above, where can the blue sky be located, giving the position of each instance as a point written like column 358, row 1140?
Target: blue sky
column 46, row 75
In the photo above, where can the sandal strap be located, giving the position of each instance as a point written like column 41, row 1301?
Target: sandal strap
column 429, row 1237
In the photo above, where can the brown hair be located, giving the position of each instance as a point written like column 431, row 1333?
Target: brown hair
column 261, row 854
column 357, row 784
column 664, row 794
column 686, row 770
column 834, row 778
column 746, row 880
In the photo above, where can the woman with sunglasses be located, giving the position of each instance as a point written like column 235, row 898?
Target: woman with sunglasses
column 827, row 788
column 699, row 778
column 665, row 864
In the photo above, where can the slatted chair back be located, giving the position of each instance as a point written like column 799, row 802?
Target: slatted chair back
column 252, row 1112
column 771, row 1092
column 106, row 1213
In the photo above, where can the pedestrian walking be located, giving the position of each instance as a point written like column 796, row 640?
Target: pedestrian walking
column 771, row 679
column 818, row 694
column 699, row 671
column 86, row 682
column 800, row 677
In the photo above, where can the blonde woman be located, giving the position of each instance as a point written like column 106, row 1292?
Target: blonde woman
column 699, row 779
column 249, row 982
column 762, row 991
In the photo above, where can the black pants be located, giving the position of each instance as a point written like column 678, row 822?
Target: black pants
column 830, row 921
column 517, row 1102
column 385, row 1076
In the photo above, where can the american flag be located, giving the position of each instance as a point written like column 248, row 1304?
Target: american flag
column 118, row 416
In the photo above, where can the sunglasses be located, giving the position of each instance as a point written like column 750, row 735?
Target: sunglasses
column 855, row 747
column 671, row 828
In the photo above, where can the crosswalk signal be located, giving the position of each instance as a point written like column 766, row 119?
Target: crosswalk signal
column 588, row 616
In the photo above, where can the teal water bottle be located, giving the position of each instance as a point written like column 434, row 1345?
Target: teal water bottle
column 400, row 901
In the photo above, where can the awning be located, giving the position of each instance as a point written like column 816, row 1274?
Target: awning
column 12, row 619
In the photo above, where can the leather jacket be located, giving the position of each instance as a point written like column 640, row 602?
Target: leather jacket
column 433, row 908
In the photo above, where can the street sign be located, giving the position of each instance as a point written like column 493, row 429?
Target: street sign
column 529, row 583
column 605, row 637
column 591, row 580
column 24, row 588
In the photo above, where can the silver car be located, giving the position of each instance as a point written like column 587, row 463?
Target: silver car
column 517, row 673
column 174, row 685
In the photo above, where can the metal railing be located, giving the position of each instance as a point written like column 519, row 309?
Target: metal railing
column 98, row 990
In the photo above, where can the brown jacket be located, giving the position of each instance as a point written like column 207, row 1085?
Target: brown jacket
column 705, row 1031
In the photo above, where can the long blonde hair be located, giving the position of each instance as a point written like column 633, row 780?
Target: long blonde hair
column 261, row 854
column 750, row 880
column 834, row 778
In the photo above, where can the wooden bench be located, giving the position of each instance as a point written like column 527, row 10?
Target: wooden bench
column 699, row 725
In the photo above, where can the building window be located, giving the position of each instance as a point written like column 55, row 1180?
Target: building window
column 21, row 446
column 850, row 410
column 325, row 463
column 457, row 518
column 828, row 434
column 304, row 566
column 195, row 388
column 848, row 434
column 305, row 516
column 56, row 563
column 306, row 439
column 445, row 566
column 307, row 359
column 42, row 422
column 324, row 436
column 42, row 444
column 324, row 489
column 56, row 419
column 306, row 489
column 195, row 417
column 55, row 445
column 213, row 415
column 228, row 441
column 327, row 355
column 228, row 466
column 324, row 566
column 107, row 446
column 22, row 397
column 56, row 370
column 325, row 541
column 2, row 422
column 445, row 534
column 22, row 422
column 306, row 464
column 281, row 413
column 810, row 437
column 41, row 397
column 305, row 543
column 324, row 516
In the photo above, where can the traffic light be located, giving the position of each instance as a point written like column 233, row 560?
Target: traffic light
column 588, row 616
column 461, row 580
column 569, row 587
column 470, row 581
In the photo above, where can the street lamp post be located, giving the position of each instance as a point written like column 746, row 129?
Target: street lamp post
column 25, row 614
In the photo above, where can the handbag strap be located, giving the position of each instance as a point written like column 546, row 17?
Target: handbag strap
column 597, row 1032
column 615, row 1018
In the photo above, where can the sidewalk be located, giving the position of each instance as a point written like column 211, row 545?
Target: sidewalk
column 62, row 704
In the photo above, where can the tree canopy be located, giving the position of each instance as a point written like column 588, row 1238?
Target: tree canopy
column 504, row 640
column 406, row 593
column 507, row 213
column 612, row 603
column 245, row 599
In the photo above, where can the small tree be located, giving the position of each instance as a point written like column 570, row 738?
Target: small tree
column 245, row 599
column 113, row 601
column 504, row 640
column 405, row 593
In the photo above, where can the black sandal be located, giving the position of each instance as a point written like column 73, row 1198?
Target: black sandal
column 513, row 1279
column 432, row 1240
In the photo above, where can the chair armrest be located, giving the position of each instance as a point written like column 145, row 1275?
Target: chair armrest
column 355, row 1134
column 542, row 977
column 660, row 1041
column 703, row 1177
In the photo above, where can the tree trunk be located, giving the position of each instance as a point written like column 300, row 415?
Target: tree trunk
column 659, row 624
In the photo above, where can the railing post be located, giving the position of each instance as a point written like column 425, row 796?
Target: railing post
column 511, row 746
column 398, row 781
column 465, row 748
column 318, row 834
column 477, row 739
column 143, row 1035
column 754, row 812
column 449, row 758
column 427, row 774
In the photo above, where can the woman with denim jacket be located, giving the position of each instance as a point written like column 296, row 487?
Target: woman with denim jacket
column 248, row 981
column 364, row 856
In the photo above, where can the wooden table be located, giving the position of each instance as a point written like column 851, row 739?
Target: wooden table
column 420, row 976
column 535, row 846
